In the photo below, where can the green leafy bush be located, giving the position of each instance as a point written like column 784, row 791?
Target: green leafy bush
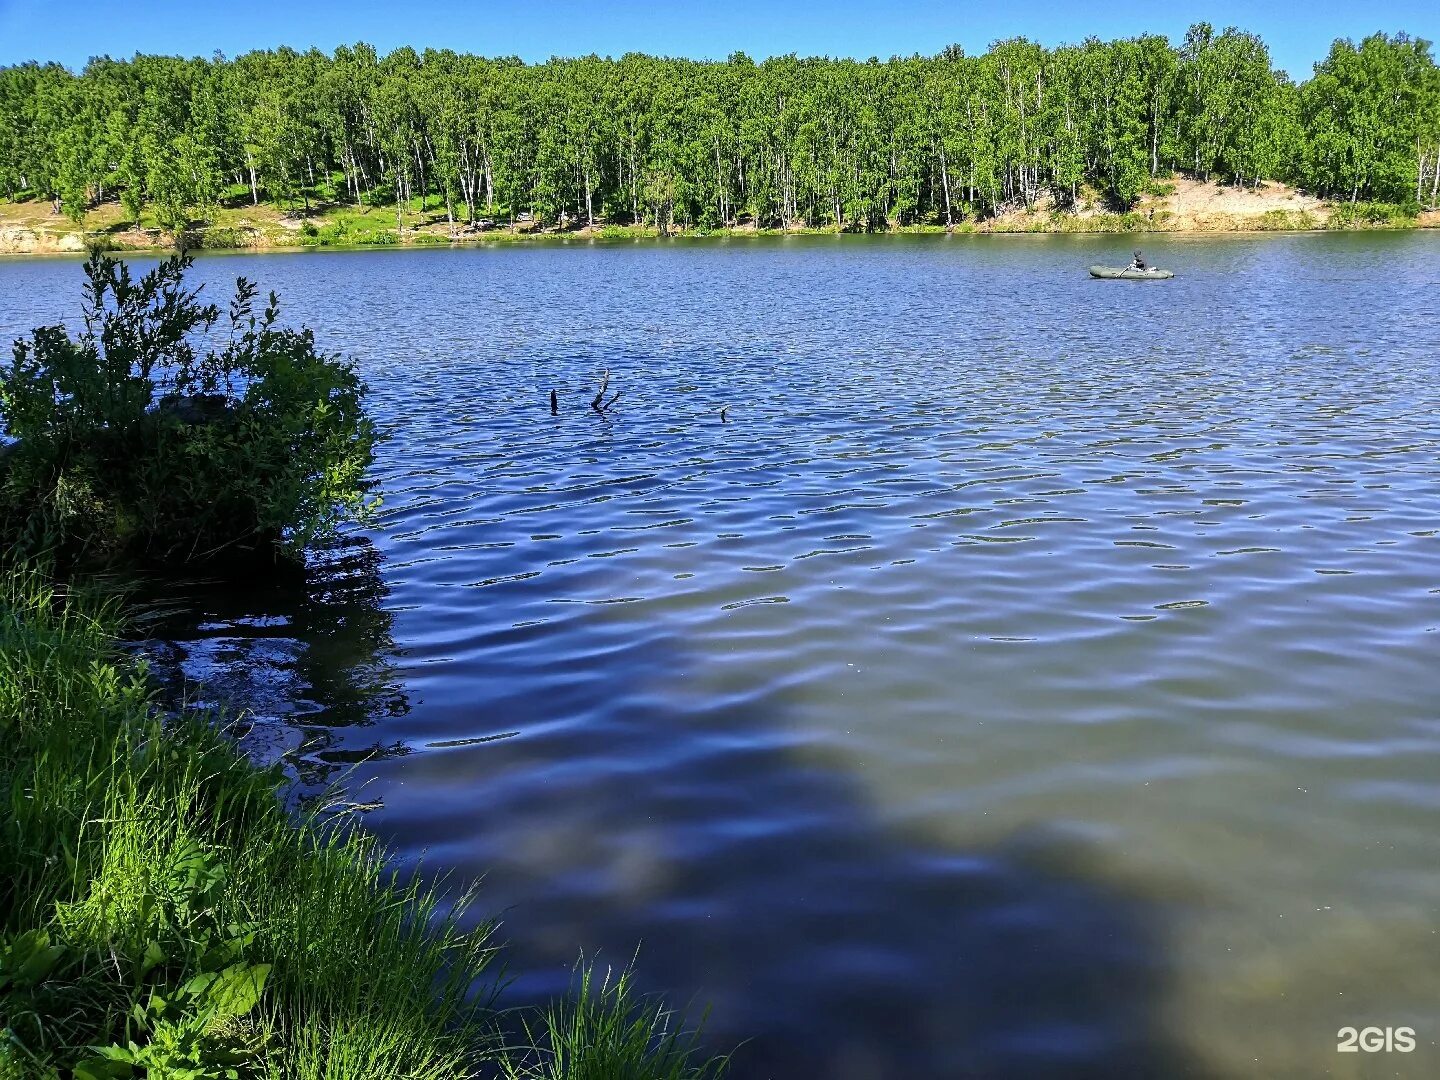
column 347, row 232
column 373, row 238
column 129, row 441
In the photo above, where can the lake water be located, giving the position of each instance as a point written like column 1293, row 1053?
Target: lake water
column 1031, row 676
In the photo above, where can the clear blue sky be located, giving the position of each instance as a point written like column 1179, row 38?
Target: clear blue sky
column 70, row 31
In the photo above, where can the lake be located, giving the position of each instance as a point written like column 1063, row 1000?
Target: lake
column 1028, row 676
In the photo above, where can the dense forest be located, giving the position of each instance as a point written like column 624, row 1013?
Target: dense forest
column 642, row 139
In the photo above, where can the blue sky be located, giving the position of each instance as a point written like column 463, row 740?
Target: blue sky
column 71, row 31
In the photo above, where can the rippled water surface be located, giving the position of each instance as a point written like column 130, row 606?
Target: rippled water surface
column 1035, row 676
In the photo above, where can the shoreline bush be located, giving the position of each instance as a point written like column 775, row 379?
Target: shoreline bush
column 129, row 442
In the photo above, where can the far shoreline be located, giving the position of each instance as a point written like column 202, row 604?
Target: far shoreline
column 1178, row 207
column 77, row 245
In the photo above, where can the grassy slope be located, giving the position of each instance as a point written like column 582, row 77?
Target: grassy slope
column 161, row 911
column 143, row 856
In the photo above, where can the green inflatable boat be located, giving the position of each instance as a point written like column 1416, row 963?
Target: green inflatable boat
column 1150, row 273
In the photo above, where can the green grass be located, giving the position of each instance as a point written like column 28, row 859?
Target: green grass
column 146, row 853
column 1057, row 222
column 1372, row 215
column 162, row 913
column 1286, row 221
column 604, row 1031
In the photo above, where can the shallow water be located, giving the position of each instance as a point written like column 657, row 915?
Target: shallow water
column 1034, row 676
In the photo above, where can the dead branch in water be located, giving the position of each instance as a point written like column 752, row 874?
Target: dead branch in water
column 598, row 404
column 602, row 406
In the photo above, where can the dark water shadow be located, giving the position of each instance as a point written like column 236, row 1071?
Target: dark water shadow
column 754, row 870
column 758, row 877
column 305, row 661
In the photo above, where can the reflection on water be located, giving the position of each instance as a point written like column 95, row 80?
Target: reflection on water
column 308, row 662
column 1033, row 676
column 786, row 900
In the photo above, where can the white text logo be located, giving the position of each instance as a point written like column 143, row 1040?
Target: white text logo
column 1374, row 1040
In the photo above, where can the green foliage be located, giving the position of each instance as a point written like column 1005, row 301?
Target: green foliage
column 616, row 232
column 131, row 441
column 1286, row 221
column 347, row 233
column 604, row 1031
column 219, row 239
column 1372, row 215
column 1092, row 223
column 162, row 915
column 196, row 1030
column 1372, row 114
column 660, row 142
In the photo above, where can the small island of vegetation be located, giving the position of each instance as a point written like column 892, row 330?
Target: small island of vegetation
column 286, row 148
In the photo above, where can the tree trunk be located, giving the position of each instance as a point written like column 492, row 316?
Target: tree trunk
column 720, row 183
column 945, row 179
column 634, row 187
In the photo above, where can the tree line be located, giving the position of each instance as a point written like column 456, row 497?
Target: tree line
column 643, row 139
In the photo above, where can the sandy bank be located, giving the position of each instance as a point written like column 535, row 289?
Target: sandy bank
column 1177, row 205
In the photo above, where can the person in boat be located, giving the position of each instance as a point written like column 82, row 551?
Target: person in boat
column 1138, row 262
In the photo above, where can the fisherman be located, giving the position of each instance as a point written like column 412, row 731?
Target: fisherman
column 1138, row 263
